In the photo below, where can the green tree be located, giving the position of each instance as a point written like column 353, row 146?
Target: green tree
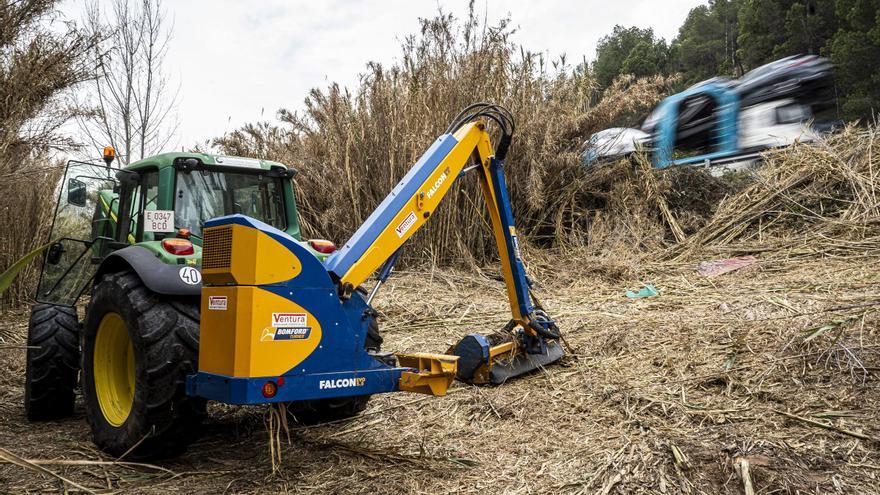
column 762, row 30
column 706, row 43
column 730, row 37
column 772, row 29
column 809, row 24
column 629, row 51
column 855, row 51
column 644, row 60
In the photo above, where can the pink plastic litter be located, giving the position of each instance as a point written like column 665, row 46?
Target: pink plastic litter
column 714, row 268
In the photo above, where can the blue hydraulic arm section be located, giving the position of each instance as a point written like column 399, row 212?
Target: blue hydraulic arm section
column 508, row 230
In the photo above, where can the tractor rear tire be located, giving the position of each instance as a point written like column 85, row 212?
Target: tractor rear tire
column 138, row 348
column 52, row 362
column 311, row 412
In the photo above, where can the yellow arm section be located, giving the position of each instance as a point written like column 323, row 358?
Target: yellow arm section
column 474, row 146
column 419, row 207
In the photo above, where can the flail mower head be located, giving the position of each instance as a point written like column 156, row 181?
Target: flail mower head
column 516, row 350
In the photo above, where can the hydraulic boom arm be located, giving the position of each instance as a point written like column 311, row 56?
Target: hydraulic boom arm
column 415, row 199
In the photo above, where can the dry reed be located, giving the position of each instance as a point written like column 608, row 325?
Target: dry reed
column 352, row 147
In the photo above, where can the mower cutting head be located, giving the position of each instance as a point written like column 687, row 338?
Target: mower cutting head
column 498, row 357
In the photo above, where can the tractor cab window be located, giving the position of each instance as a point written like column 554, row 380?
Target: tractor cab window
column 204, row 194
column 144, row 197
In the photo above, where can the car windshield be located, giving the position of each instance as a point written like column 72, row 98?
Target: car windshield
column 205, row 194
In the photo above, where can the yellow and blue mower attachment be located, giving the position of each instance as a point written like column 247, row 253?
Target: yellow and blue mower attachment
column 274, row 328
column 277, row 324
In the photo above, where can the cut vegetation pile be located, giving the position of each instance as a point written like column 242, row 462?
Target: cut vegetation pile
column 810, row 200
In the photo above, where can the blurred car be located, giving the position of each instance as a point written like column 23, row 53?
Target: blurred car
column 723, row 119
column 774, row 124
column 613, row 142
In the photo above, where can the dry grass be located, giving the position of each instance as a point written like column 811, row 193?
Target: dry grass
column 27, row 201
column 708, row 370
column 37, row 66
column 764, row 378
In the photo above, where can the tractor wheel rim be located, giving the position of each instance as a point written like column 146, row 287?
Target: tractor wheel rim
column 114, row 369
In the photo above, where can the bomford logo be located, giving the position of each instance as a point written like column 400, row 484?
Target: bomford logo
column 286, row 333
column 439, row 182
column 287, row 326
column 342, row 383
column 294, row 333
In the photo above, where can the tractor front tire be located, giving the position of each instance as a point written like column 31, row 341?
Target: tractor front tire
column 138, row 348
column 52, row 362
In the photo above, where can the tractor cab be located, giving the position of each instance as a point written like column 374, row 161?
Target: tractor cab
column 158, row 204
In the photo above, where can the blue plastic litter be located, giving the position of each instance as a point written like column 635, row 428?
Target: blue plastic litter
column 647, row 291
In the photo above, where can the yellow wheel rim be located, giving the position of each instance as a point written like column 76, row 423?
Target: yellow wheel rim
column 114, row 369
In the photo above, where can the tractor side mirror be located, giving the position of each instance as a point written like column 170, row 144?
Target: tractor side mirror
column 76, row 192
column 54, row 254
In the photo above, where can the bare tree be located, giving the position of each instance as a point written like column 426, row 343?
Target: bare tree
column 132, row 103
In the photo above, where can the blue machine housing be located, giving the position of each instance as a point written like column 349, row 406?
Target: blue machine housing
column 344, row 324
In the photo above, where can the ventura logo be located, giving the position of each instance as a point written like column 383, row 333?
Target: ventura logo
column 217, row 303
column 439, row 182
column 405, row 225
column 289, row 320
column 342, row 383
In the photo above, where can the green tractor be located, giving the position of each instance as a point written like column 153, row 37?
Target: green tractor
column 130, row 241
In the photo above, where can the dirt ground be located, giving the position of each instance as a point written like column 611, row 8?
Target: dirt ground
column 774, row 367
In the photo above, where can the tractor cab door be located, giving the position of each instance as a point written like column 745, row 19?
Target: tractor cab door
column 83, row 231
